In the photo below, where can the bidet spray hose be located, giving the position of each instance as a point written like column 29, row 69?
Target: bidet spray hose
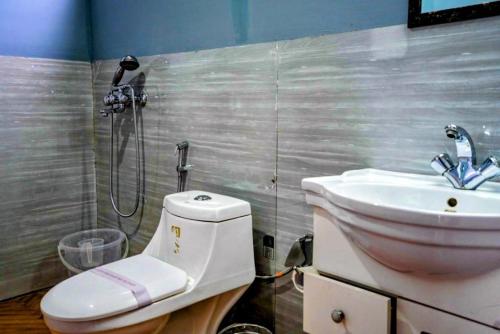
column 182, row 167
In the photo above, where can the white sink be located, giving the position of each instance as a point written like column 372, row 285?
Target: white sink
column 408, row 222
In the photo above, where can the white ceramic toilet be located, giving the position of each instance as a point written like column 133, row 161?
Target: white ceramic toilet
column 198, row 263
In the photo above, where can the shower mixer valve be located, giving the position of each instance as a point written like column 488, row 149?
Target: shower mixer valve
column 119, row 98
column 116, row 101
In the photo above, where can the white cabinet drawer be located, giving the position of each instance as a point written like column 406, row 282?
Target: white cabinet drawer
column 363, row 311
column 416, row 319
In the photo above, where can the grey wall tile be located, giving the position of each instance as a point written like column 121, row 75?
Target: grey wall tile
column 47, row 172
column 377, row 98
column 309, row 107
column 223, row 102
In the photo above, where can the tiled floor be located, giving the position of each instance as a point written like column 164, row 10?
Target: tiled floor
column 22, row 314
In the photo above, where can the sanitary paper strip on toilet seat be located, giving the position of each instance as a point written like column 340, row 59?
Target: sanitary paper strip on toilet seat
column 138, row 290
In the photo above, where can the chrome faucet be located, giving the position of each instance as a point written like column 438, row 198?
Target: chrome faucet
column 464, row 175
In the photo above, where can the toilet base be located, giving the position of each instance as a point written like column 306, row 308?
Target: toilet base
column 202, row 317
column 205, row 316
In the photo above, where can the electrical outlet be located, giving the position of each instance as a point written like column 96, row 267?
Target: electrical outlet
column 268, row 249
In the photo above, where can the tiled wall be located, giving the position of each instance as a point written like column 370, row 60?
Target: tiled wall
column 378, row 98
column 223, row 102
column 315, row 106
column 47, row 176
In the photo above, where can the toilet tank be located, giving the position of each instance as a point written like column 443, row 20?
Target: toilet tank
column 207, row 235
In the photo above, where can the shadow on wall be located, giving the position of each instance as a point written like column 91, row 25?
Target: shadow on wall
column 254, row 306
column 88, row 200
column 239, row 14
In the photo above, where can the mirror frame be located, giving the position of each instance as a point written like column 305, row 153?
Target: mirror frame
column 418, row 19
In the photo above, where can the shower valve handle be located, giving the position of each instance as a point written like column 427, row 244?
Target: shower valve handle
column 110, row 99
column 105, row 112
column 122, row 98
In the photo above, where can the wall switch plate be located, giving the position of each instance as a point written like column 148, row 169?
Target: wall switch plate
column 268, row 249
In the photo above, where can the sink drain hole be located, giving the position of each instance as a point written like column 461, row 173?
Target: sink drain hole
column 452, row 202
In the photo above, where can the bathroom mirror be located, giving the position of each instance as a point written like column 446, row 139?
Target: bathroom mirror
column 428, row 12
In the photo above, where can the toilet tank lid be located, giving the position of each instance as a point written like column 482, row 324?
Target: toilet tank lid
column 205, row 206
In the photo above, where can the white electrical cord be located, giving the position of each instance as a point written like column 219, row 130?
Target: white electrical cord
column 294, row 271
column 297, row 286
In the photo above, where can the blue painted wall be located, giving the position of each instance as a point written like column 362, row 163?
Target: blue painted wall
column 148, row 27
column 62, row 29
column 45, row 28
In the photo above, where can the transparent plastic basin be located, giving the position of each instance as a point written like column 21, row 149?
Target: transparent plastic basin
column 88, row 249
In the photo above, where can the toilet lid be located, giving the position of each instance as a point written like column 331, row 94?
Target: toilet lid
column 115, row 288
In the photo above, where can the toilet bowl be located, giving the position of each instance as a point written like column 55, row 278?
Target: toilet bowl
column 197, row 265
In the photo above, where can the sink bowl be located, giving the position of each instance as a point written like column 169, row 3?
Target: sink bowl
column 413, row 223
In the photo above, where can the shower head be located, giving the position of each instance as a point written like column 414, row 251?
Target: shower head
column 129, row 63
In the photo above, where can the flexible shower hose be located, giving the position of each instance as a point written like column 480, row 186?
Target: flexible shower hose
column 137, row 160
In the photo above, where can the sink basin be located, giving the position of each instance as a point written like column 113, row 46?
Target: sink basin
column 413, row 223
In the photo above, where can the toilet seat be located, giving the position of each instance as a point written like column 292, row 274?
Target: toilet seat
column 92, row 296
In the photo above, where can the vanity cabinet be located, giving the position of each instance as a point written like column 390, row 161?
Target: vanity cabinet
column 405, row 236
column 333, row 307
column 414, row 318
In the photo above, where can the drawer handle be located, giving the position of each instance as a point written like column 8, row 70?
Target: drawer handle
column 337, row 316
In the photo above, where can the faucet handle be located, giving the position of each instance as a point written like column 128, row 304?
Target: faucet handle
column 442, row 163
column 490, row 167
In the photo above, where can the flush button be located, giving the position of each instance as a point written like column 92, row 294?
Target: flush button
column 202, row 198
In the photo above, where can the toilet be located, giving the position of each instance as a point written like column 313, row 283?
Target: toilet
column 197, row 265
